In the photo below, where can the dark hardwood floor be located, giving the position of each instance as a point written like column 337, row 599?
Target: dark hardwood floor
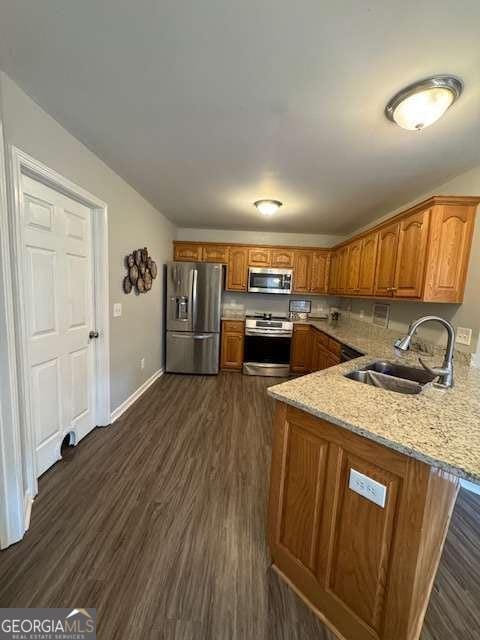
column 159, row 523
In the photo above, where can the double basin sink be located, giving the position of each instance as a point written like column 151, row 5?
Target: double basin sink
column 393, row 377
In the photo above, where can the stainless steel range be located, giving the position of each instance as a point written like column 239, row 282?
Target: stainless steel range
column 267, row 345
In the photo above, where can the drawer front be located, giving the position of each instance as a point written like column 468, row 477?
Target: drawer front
column 233, row 326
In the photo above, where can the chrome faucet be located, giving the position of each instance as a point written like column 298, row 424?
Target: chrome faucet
column 445, row 372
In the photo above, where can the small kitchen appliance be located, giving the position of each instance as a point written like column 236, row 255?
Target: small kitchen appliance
column 262, row 280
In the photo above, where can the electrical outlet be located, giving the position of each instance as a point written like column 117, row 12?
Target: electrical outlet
column 368, row 488
column 117, row 309
column 464, row 335
column 142, row 363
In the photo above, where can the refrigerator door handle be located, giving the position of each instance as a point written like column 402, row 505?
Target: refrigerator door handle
column 194, row 297
column 189, row 336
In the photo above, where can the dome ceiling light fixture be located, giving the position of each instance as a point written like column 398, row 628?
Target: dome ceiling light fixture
column 421, row 104
column 268, row 207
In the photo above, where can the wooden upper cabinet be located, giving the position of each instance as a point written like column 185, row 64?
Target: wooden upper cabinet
column 320, row 269
column 342, row 270
column 259, row 257
column 188, row 252
column 420, row 254
column 333, row 272
column 282, row 258
column 215, row 253
column 450, row 242
column 411, row 255
column 386, row 260
column 302, row 270
column 353, row 267
column 368, row 261
column 237, row 269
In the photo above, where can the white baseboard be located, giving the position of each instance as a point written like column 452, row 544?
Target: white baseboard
column 126, row 404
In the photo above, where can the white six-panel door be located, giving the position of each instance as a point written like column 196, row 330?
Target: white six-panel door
column 58, row 287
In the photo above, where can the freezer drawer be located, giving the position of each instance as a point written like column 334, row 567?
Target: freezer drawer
column 193, row 352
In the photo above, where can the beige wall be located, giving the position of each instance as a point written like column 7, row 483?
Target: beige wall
column 463, row 315
column 133, row 223
column 259, row 237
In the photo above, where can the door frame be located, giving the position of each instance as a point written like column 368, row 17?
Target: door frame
column 23, row 164
column 12, row 509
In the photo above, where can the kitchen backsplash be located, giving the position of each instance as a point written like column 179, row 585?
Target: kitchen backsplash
column 242, row 303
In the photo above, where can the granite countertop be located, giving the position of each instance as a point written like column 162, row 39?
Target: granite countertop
column 440, row 427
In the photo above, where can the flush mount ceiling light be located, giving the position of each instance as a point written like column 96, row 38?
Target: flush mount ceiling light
column 423, row 103
column 268, row 207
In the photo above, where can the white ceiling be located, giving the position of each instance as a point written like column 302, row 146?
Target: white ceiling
column 205, row 106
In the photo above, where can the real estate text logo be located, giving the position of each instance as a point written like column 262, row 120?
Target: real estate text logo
column 47, row 624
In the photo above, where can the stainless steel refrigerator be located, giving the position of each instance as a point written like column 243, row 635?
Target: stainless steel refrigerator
column 194, row 294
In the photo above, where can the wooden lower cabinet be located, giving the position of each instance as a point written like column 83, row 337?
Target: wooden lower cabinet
column 231, row 357
column 319, row 352
column 312, row 350
column 300, row 352
column 366, row 570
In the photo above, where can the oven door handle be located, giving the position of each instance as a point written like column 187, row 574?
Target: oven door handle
column 270, row 334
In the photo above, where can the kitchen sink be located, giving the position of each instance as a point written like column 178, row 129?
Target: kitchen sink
column 393, row 377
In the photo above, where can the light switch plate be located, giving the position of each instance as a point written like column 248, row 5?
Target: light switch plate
column 117, row 309
column 464, row 335
column 368, row 488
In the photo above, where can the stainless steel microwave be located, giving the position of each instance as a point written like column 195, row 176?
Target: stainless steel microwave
column 262, row 280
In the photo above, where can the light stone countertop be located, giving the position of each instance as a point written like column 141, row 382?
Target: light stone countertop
column 439, row 427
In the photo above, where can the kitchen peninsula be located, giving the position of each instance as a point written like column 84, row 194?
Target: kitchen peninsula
column 367, row 567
